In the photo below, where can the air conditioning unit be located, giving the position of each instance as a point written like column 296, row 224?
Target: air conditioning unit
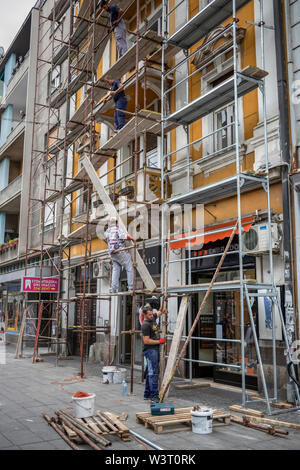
column 101, row 269
column 256, row 240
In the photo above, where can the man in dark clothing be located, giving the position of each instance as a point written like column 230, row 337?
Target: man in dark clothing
column 118, row 26
column 119, row 97
column 151, row 341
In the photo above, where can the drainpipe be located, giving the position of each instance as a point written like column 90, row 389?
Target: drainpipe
column 295, row 146
column 286, row 158
column 290, row 68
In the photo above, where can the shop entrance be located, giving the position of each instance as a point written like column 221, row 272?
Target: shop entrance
column 221, row 319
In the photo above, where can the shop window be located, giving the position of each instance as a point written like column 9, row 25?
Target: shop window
column 227, row 311
column 13, row 308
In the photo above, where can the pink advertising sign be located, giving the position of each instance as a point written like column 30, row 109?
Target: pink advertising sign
column 32, row 284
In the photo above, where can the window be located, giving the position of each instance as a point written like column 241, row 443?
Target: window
column 49, row 216
column 224, row 120
column 54, row 79
column 52, row 142
column 152, row 159
column 152, row 151
column 155, row 24
column 76, row 8
column 82, row 202
column 58, row 23
column 219, row 125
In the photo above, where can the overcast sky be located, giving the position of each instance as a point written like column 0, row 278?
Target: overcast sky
column 13, row 14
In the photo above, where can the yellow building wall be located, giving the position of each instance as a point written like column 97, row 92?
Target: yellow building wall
column 250, row 202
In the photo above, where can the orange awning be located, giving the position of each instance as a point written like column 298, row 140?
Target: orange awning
column 221, row 231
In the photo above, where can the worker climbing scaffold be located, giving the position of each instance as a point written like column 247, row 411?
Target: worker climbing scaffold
column 116, row 238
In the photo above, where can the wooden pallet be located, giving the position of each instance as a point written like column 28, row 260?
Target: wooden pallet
column 105, row 423
column 182, row 416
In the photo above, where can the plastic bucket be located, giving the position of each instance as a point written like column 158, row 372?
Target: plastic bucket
column 124, row 373
column 108, row 373
column 202, row 421
column 84, row 407
column 117, row 377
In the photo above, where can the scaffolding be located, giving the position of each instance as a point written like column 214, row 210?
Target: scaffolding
column 89, row 25
column 230, row 90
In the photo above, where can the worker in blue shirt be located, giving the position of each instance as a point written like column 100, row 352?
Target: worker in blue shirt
column 118, row 26
column 119, row 97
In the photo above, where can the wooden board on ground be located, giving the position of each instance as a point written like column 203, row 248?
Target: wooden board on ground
column 122, row 429
column 141, row 267
column 245, row 411
column 92, row 425
column 175, row 341
column 279, row 404
column 283, row 424
column 72, row 435
column 105, row 423
column 189, row 386
column 182, row 418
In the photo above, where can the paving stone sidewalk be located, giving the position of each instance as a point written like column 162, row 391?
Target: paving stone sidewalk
column 29, row 389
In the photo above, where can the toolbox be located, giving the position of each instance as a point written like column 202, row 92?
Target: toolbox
column 159, row 409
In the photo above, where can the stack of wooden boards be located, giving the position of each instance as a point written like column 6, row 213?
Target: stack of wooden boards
column 182, row 416
column 94, row 431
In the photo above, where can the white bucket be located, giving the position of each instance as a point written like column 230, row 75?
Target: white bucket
column 119, row 375
column 108, row 373
column 202, row 421
column 84, row 407
column 117, row 378
column 124, row 373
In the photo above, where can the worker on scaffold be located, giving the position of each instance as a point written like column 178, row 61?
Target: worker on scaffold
column 151, row 343
column 116, row 238
column 119, row 97
column 118, row 26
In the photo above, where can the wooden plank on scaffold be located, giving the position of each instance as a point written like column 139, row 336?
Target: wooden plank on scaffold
column 175, row 342
column 141, row 267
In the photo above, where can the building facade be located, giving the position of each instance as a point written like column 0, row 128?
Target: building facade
column 57, row 217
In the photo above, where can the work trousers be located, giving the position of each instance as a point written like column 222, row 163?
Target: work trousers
column 121, row 103
column 151, row 387
column 120, row 35
column 119, row 260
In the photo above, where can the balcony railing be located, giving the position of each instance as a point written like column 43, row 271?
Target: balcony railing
column 16, row 130
column 11, row 192
column 9, row 251
column 20, row 72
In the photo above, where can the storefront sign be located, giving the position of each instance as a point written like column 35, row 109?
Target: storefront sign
column 32, row 284
column 152, row 260
column 200, row 262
